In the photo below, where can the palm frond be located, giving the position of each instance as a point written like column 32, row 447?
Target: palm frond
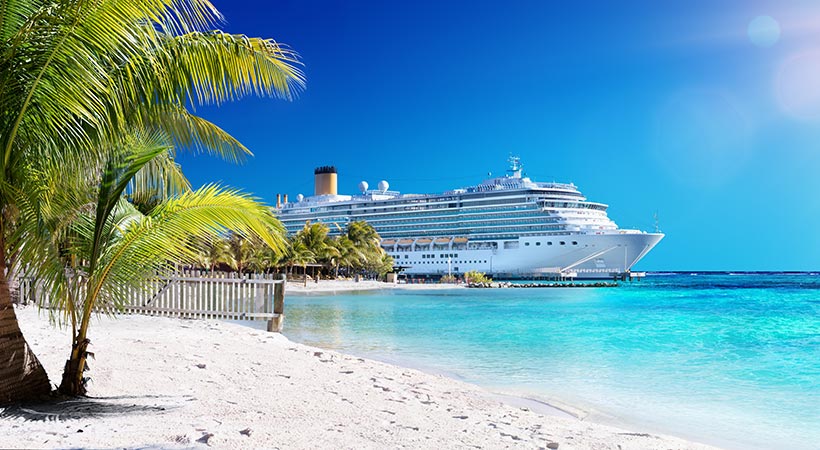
column 154, row 241
column 198, row 135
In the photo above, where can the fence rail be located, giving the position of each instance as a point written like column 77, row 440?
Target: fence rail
column 198, row 294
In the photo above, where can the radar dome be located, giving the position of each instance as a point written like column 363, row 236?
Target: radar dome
column 363, row 186
column 383, row 185
column 300, row 197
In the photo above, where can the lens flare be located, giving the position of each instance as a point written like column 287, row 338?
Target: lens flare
column 797, row 85
column 763, row 31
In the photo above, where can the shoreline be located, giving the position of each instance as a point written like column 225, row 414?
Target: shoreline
column 175, row 383
column 513, row 398
column 550, row 406
column 331, row 286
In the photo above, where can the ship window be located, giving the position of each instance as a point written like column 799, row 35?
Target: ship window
column 549, row 243
column 563, row 243
column 527, row 244
column 406, row 256
column 537, row 243
column 574, row 242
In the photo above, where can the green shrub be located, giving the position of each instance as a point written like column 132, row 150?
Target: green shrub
column 475, row 276
column 448, row 279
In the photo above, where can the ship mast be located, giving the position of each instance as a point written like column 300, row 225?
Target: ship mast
column 515, row 167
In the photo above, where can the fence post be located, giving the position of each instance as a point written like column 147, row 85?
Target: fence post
column 275, row 323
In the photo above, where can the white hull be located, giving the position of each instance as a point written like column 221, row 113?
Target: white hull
column 588, row 256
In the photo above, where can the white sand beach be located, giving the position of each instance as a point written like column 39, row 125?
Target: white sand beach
column 327, row 286
column 173, row 383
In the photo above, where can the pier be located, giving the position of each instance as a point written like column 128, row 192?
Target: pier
column 628, row 276
column 572, row 284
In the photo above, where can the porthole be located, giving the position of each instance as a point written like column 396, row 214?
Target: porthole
column 574, row 242
column 538, row 243
column 563, row 243
column 549, row 243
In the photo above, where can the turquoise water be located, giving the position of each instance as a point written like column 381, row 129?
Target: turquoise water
column 729, row 360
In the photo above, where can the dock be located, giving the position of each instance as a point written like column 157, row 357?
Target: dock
column 572, row 284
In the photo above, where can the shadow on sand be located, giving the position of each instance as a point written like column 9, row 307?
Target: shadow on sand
column 91, row 407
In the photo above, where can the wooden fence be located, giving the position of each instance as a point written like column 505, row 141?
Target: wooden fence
column 198, row 294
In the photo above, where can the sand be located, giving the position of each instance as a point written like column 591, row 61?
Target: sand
column 174, row 383
column 330, row 286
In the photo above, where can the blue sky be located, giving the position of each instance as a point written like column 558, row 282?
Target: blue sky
column 684, row 109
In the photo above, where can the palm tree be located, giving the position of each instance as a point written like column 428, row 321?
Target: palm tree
column 111, row 247
column 367, row 242
column 76, row 78
column 212, row 253
column 262, row 258
column 363, row 235
column 315, row 238
column 382, row 265
column 349, row 254
column 300, row 255
column 239, row 249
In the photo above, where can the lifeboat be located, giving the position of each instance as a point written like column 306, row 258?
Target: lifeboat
column 460, row 240
column 388, row 242
column 423, row 244
column 405, row 241
column 443, row 240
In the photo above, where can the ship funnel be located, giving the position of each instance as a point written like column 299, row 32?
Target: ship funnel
column 324, row 181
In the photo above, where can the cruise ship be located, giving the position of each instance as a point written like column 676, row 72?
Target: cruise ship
column 507, row 227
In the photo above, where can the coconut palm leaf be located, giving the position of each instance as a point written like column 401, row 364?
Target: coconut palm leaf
column 56, row 66
column 79, row 82
column 143, row 245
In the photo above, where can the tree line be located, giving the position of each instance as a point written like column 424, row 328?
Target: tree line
column 356, row 251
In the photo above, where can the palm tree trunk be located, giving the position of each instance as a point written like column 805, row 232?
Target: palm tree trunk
column 22, row 377
column 73, row 383
column 304, row 269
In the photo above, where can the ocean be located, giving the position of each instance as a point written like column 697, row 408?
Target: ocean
column 727, row 359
